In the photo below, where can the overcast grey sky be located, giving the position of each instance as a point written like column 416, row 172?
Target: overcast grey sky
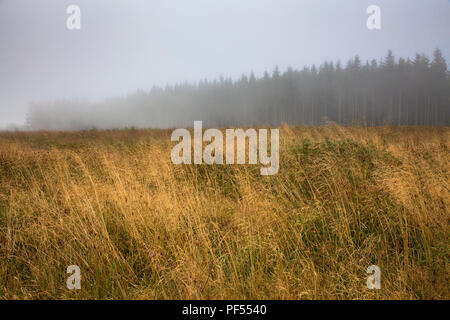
column 124, row 45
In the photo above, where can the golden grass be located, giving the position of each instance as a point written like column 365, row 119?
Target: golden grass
column 140, row 227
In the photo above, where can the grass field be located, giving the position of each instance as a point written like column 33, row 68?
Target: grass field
column 140, row 227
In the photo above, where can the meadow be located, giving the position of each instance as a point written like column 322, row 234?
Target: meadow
column 140, row 227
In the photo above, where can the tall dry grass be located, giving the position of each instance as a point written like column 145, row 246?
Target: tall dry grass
column 140, row 227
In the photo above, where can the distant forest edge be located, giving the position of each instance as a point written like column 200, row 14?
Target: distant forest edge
column 386, row 92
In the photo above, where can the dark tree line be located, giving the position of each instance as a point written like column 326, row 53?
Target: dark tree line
column 395, row 92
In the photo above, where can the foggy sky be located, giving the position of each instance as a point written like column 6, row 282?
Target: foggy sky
column 125, row 45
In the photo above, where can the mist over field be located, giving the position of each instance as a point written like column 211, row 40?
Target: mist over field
column 385, row 92
column 144, row 63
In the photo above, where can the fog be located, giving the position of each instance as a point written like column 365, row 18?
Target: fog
column 129, row 45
